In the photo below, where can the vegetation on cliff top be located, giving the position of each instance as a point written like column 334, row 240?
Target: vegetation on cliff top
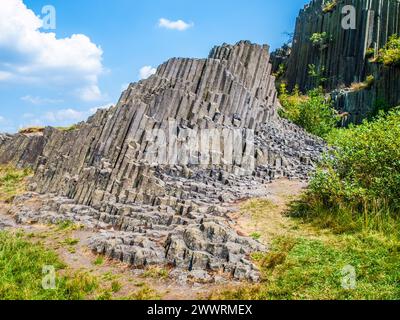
column 40, row 130
column 389, row 55
column 329, row 6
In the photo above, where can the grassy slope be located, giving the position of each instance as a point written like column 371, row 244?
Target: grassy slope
column 12, row 182
column 307, row 263
column 22, row 259
column 22, row 263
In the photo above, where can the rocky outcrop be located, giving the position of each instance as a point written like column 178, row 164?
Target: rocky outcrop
column 164, row 200
column 382, row 95
column 21, row 150
column 343, row 58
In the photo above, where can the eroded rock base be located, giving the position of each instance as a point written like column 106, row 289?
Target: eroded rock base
column 201, row 243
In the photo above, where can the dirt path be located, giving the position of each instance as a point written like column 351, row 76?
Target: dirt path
column 261, row 218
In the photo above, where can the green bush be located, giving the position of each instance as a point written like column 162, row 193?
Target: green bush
column 380, row 105
column 313, row 112
column 320, row 40
column 358, row 183
column 390, row 54
column 317, row 74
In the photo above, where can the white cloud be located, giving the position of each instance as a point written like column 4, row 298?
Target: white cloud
column 29, row 55
column 95, row 109
column 39, row 100
column 179, row 25
column 61, row 117
column 72, row 114
column 4, row 75
column 2, row 119
column 90, row 93
column 146, row 72
column 64, row 115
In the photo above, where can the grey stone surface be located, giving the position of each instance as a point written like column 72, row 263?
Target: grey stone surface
column 6, row 223
column 21, row 150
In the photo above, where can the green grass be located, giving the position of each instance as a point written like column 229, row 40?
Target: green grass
column 99, row 261
column 256, row 235
column 116, row 286
column 33, row 130
column 68, row 129
column 109, row 276
column 71, row 242
column 346, row 218
column 144, row 293
column 156, row 273
column 68, row 225
column 300, row 268
column 21, row 265
column 12, row 182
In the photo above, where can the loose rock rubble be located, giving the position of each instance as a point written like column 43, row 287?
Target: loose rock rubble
column 175, row 214
column 6, row 223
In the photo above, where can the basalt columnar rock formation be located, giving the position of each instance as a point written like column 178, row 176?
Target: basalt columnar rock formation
column 343, row 56
column 21, row 150
column 173, row 212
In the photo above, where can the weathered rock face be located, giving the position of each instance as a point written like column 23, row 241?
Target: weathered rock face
column 383, row 94
column 21, row 150
column 344, row 56
column 106, row 158
column 173, row 212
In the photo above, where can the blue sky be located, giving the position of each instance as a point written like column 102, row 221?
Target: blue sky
column 60, row 79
